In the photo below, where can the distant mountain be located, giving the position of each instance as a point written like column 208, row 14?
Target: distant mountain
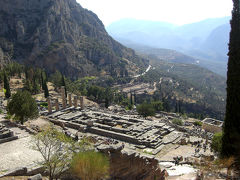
column 206, row 40
column 173, row 56
column 61, row 35
column 217, row 42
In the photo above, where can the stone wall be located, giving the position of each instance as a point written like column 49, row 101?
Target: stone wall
column 211, row 128
column 129, row 165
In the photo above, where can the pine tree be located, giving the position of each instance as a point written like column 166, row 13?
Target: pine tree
column 179, row 107
column 131, row 98
column 6, row 86
column 135, row 98
column 45, row 88
column 63, row 84
column 42, row 81
column 176, row 107
column 231, row 128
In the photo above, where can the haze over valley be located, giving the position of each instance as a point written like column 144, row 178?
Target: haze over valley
column 206, row 41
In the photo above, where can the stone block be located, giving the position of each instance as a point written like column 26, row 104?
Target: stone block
column 36, row 177
column 18, row 172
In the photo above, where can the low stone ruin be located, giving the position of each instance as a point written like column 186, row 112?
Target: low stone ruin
column 6, row 134
column 128, row 165
column 142, row 133
column 212, row 125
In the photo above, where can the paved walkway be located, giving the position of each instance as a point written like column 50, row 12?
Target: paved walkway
column 17, row 153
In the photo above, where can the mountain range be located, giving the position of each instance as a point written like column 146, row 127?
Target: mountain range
column 61, row 35
column 206, row 40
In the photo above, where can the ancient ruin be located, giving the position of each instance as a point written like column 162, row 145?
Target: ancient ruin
column 6, row 134
column 212, row 125
column 139, row 166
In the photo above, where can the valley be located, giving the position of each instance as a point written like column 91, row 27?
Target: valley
column 139, row 99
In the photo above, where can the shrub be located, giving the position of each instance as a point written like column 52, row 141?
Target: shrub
column 216, row 144
column 90, row 165
column 197, row 123
column 177, row 122
column 146, row 109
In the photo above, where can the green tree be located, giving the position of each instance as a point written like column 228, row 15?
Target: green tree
column 56, row 79
column 158, row 105
column 28, row 85
column 166, row 105
column 23, row 106
column 146, row 109
column 36, row 86
column 6, row 86
column 231, row 127
column 90, row 165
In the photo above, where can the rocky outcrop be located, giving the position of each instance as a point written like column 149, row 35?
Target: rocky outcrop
column 62, row 35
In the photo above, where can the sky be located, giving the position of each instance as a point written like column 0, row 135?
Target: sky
column 178, row 12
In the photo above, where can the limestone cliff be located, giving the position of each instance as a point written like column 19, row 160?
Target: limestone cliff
column 60, row 34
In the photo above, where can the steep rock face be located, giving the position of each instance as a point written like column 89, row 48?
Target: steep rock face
column 62, row 35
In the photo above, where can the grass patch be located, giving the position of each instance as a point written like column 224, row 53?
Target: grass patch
column 146, row 152
column 44, row 104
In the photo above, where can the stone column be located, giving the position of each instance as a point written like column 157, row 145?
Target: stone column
column 82, row 102
column 70, row 100
column 49, row 105
column 56, row 104
column 63, row 97
column 75, row 101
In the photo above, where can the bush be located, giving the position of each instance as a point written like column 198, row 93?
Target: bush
column 90, row 165
column 197, row 123
column 1, row 111
column 146, row 109
column 177, row 122
column 217, row 142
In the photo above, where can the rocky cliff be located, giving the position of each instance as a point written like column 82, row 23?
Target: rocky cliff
column 60, row 34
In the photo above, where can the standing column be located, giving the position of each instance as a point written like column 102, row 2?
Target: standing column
column 82, row 102
column 56, row 104
column 49, row 105
column 63, row 97
column 70, row 100
column 75, row 101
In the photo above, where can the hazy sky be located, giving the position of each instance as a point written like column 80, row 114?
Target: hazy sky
column 173, row 11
